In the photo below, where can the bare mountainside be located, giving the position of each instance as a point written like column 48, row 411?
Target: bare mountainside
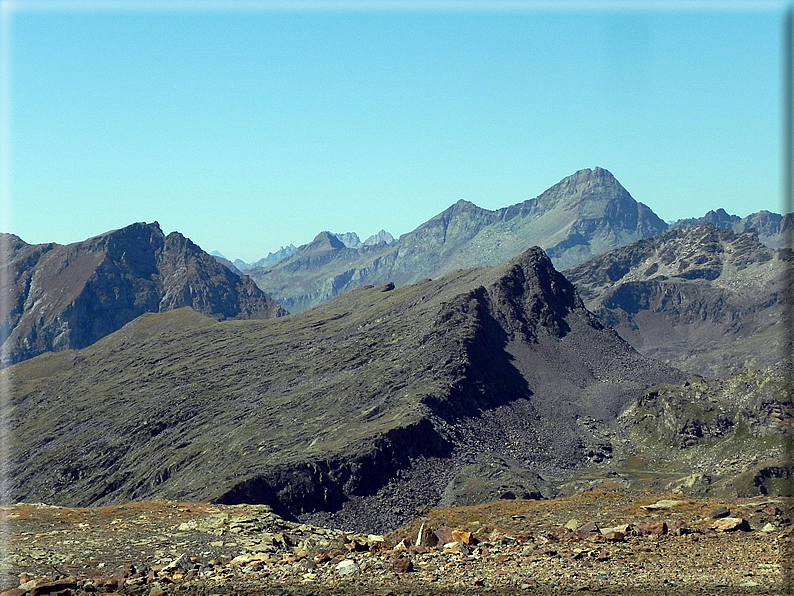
column 582, row 216
column 705, row 300
column 468, row 388
column 723, row 437
column 770, row 227
column 64, row 297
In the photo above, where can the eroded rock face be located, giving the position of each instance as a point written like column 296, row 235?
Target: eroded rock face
column 705, row 300
column 68, row 297
column 733, row 434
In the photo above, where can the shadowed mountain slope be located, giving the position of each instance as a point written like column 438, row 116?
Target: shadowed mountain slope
column 63, row 297
column 705, row 300
column 463, row 389
column 582, row 216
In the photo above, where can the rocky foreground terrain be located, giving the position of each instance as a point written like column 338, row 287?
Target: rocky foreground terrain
column 609, row 542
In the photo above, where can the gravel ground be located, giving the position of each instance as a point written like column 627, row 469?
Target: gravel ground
column 607, row 542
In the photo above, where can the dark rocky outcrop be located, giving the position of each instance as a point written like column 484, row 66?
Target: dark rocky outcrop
column 732, row 436
column 67, row 297
column 354, row 412
column 705, row 300
column 582, row 216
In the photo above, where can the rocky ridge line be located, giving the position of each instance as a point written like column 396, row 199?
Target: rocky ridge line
column 68, row 297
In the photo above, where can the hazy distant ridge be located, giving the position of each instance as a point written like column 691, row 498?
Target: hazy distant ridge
column 582, row 216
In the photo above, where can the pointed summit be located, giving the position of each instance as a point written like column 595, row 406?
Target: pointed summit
column 585, row 185
column 325, row 241
column 586, row 214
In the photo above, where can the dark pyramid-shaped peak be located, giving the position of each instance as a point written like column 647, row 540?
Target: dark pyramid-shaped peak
column 531, row 295
column 325, row 241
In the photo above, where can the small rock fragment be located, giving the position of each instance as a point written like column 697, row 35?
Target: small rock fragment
column 719, row 513
column 651, row 528
column 181, row 562
column 47, row 586
column 456, row 548
column 613, row 536
column 772, row 510
column 441, row 535
column 587, row 530
column 663, row 504
column 401, row 565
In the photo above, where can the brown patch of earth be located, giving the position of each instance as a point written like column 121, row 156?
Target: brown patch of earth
column 608, row 542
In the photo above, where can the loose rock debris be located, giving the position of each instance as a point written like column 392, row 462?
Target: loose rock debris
column 610, row 543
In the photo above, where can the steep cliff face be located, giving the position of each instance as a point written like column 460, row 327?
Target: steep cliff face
column 582, row 216
column 353, row 412
column 68, row 297
column 703, row 299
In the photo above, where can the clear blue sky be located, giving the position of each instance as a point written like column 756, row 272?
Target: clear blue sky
column 248, row 129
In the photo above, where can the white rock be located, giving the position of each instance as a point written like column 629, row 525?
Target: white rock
column 663, row 504
column 347, row 567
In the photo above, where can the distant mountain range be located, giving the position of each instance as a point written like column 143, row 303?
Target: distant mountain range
column 67, row 297
column 348, row 239
column 578, row 218
column 770, row 227
column 455, row 365
column 581, row 217
column 63, row 297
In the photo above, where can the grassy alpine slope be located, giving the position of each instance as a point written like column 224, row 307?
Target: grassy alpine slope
column 377, row 401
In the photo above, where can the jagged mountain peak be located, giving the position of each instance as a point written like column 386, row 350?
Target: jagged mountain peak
column 464, row 204
column 67, row 297
column 349, row 239
column 134, row 230
column 382, row 237
column 596, row 174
